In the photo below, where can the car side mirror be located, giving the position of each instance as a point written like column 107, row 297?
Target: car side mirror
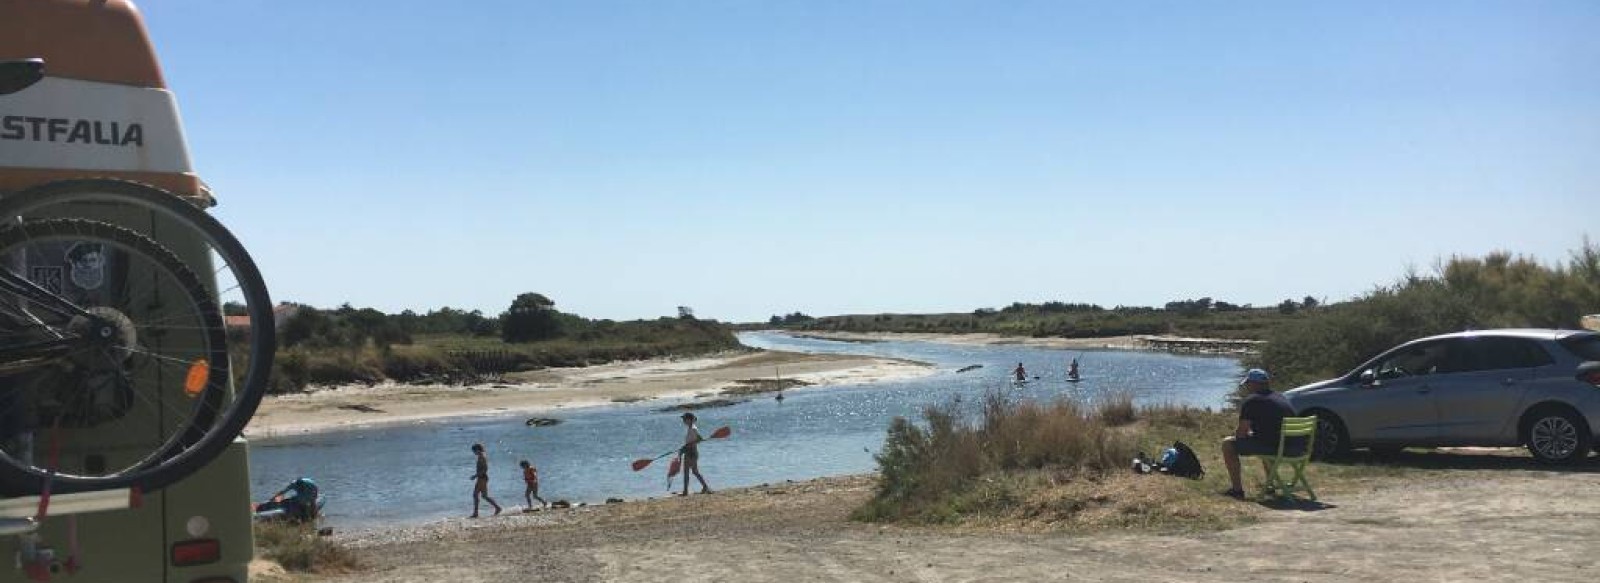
column 1369, row 378
column 19, row 74
column 1589, row 372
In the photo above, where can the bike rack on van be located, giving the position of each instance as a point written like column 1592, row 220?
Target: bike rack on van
column 21, row 517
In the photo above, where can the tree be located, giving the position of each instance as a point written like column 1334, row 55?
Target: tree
column 531, row 317
column 1288, row 307
column 1310, row 303
column 308, row 323
column 685, row 313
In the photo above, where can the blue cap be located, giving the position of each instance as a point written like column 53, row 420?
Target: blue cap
column 1257, row 375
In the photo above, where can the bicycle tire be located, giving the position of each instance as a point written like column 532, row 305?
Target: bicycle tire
column 205, row 311
column 210, row 430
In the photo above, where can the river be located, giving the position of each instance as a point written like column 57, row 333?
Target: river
column 386, row 476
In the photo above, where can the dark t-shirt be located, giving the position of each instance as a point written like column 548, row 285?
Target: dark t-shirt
column 1265, row 412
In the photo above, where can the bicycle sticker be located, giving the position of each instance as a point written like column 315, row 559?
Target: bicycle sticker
column 88, row 262
column 47, row 277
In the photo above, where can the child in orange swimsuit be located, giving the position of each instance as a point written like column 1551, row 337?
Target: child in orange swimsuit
column 530, row 475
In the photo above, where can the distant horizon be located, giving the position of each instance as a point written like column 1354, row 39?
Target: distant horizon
column 625, row 157
column 1273, row 304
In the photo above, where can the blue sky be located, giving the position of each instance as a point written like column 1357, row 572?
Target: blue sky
column 752, row 158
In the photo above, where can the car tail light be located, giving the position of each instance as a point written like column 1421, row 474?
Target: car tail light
column 196, row 552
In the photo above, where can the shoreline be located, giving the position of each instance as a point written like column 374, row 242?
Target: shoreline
column 350, row 407
column 1147, row 342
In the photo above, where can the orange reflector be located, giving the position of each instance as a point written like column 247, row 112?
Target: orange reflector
column 199, row 375
column 196, row 552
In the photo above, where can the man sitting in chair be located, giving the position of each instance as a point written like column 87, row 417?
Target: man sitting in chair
column 1260, row 419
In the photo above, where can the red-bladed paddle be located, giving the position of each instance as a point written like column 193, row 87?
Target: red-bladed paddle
column 672, row 470
column 642, row 463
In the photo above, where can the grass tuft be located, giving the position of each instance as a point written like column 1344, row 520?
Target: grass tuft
column 1116, row 409
column 298, row 548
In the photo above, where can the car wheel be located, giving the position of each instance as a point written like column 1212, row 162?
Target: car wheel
column 1556, row 436
column 1333, row 441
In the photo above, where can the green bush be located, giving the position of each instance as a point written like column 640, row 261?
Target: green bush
column 929, row 473
column 352, row 345
column 1054, row 319
column 1497, row 291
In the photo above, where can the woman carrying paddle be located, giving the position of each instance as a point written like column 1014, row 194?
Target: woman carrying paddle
column 691, row 455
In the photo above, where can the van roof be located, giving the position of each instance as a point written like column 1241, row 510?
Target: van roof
column 92, row 40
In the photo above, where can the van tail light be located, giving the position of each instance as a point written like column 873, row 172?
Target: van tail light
column 1589, row 372
column 196, row 552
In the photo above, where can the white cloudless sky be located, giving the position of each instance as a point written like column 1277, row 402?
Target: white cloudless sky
column 753, row 158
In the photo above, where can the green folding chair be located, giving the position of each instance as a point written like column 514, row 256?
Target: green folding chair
column 1305, row 427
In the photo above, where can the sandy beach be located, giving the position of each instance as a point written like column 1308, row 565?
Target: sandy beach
column 1504, row 519
column 351, row 406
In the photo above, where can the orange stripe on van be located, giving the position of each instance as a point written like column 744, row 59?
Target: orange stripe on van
column 93, row 40
column 189, row 185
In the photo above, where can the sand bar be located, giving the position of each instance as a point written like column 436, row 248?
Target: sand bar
column 352, row 406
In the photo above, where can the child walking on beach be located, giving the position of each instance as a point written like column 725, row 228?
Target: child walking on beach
column 530, row 475
column 691, row 455
column 480, row 481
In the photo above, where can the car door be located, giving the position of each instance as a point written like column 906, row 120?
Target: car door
column 1480, row 395
column 1395, row 406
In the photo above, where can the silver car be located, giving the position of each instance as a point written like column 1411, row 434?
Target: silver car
column 1537, row 388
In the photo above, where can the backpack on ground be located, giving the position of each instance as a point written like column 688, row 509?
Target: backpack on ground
column 1184, row 463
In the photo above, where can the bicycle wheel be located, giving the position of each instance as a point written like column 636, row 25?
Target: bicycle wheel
column 148, row 383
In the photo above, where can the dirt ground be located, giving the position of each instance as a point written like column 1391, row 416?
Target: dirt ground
column 1480, row 518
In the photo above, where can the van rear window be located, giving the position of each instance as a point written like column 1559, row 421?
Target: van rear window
column 1586, row 346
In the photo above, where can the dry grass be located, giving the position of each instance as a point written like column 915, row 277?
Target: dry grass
column 945, row 470
column 1116, row 409
column 1063, row 465
column 299, row 549
column 1047, row 501
column 1062, row 433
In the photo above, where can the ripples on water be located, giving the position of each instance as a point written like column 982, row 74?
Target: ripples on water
column 421, row 472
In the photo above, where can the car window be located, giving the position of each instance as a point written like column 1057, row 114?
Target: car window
column 1421, row 359
column 1586, row 346
column 1492, row 353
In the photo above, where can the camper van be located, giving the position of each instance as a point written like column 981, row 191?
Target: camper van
column 122, row 391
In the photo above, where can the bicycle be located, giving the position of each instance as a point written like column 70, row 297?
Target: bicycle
column 118, row 366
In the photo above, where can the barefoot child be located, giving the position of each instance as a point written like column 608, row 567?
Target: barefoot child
column 530, row 475
column 480, row 481
column 691, row 455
